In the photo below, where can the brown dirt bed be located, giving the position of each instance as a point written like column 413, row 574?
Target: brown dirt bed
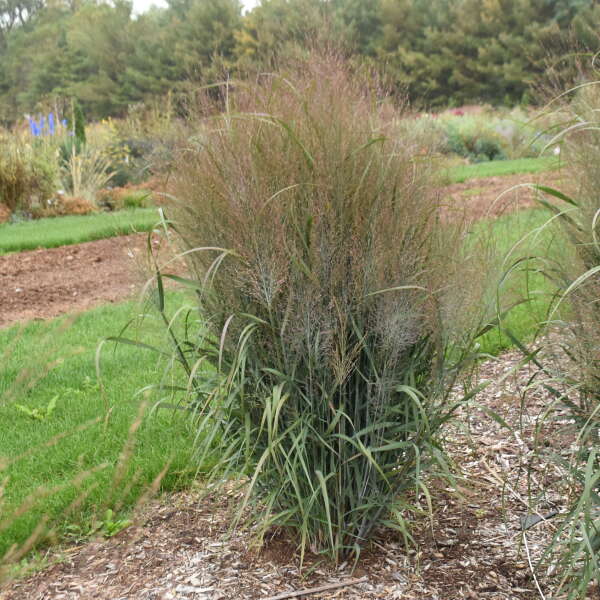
column 45, row 283
column 495, row 196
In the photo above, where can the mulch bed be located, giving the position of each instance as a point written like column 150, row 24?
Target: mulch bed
column 179, row 548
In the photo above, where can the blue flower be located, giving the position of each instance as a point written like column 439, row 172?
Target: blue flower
column 34, row 127
column 45, row 126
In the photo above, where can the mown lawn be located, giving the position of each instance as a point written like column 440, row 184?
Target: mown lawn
column 68, row 467
column 515, row 236
column 499, row 168
column 61, row 231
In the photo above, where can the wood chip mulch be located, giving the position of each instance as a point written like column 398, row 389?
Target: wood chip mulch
column 475, row 549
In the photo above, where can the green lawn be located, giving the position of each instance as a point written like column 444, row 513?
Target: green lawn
column 498, row 168
column 72, row 480
column 515, row 236
column 60, row 231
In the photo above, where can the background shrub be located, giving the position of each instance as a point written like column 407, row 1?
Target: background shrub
column 28, row 175
column 469, row 138
column 119, row 198
column 481, row 135
column 15, row 178
column 62, row 205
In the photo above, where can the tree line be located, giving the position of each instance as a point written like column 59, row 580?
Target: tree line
column 439, row 52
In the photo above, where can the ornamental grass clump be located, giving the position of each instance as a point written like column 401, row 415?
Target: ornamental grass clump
column 336, row 305
column 27, row 176
column 577, row 272
column 574, row 379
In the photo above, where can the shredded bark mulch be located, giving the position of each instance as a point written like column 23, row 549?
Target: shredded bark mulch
column 179, row 548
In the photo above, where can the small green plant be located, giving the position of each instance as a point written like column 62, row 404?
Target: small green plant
column 108, row 526
column 136, row 199
column 39, row 414
column 112, row 526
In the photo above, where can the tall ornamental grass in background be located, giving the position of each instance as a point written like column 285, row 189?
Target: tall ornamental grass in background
column 575, row 314
column 86, row 172
column 27, row 174
column 339, row 309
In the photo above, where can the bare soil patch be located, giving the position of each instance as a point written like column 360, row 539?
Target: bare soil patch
column 45, row 283
column 495, row 196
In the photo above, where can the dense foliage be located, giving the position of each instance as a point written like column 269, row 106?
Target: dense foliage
column 441, row 51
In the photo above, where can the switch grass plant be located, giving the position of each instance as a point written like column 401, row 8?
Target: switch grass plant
column 574, row 380
column 339, row 310
column 575, row 384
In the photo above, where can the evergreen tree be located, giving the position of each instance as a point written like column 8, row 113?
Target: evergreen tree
column 438, row 51
column 203, row 38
